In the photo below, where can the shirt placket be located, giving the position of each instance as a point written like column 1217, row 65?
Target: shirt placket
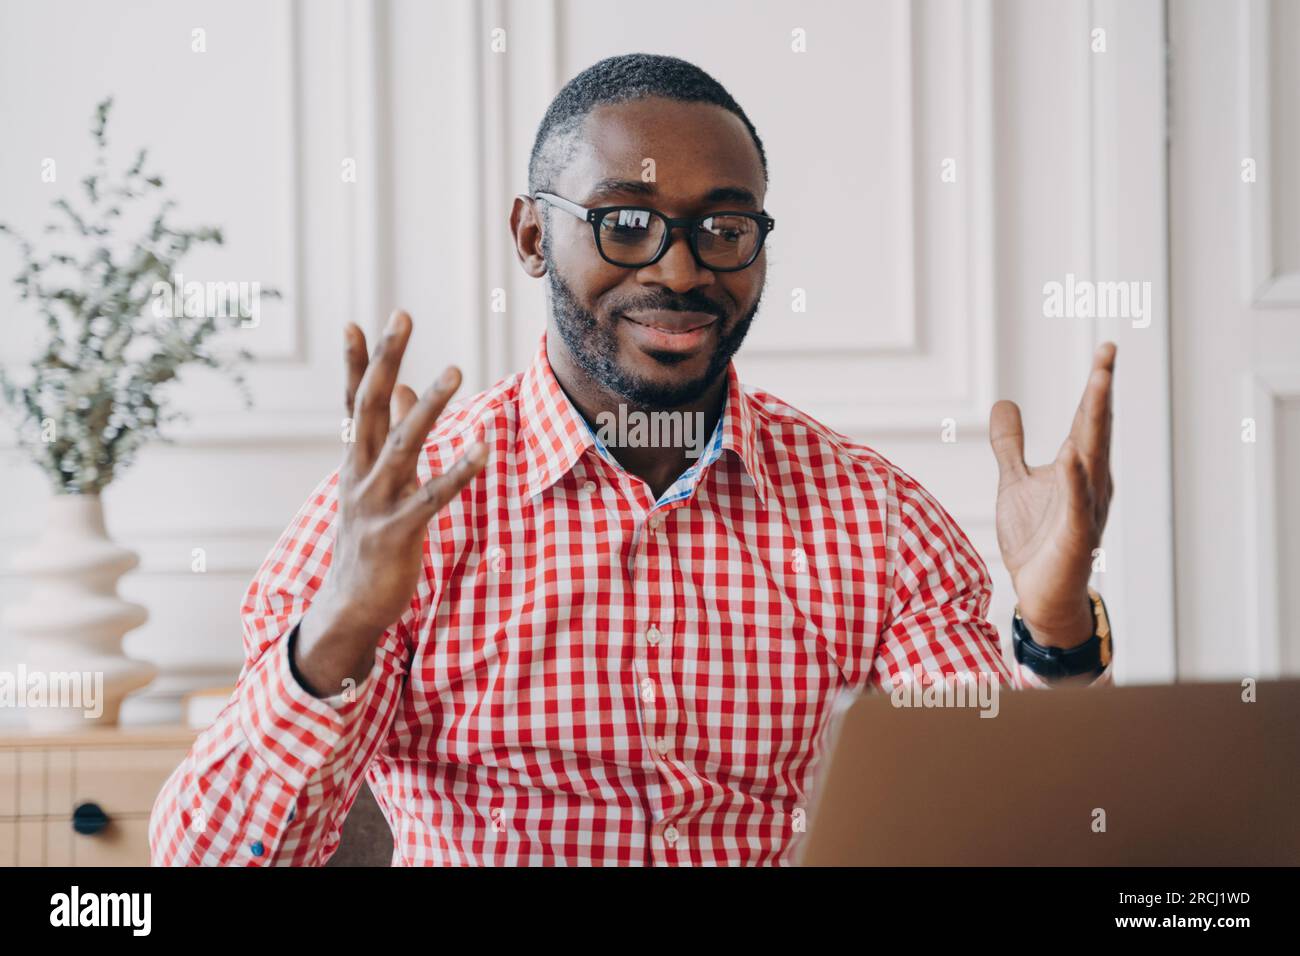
column 655, row 601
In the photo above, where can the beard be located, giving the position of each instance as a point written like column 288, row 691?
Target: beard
column 594, row 344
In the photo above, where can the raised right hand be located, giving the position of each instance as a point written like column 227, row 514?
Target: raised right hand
column 384, row 511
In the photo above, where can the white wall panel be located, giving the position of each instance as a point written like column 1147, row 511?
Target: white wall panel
column 933, row 314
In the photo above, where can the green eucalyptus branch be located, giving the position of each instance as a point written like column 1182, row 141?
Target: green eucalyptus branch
column 98, row 389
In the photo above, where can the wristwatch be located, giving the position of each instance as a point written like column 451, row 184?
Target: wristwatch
column 1090, row 657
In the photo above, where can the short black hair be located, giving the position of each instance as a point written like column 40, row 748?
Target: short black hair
column 620, row 79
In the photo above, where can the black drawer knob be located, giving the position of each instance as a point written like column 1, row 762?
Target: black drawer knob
column 89, row 819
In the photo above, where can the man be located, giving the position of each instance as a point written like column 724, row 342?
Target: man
column 542, row 646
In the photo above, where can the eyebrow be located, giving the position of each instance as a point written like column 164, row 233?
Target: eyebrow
column 732, row 194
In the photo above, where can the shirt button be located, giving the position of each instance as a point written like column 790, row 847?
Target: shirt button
column 653, row 635
column 663, row 746
column 588, row 487
column 258, row 849
column 656, row 522
column 671, row 835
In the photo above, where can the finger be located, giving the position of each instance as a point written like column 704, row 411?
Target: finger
column 1090, row 431
column 404, row 399
column 1103, row 360
column 356, row 360
column 405, row 441
column 1007, row 437
column 440, row 489
column 1109, row 421
column 374, row 396
column 1103, row 497
column 1074, row 475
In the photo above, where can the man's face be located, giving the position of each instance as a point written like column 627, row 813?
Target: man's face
column 655, row 336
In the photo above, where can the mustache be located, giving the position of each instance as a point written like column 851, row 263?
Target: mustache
column 687, row 302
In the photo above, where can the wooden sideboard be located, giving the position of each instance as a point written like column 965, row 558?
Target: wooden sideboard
column 106, row 778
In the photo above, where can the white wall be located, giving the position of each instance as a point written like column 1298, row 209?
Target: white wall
column 941, row 315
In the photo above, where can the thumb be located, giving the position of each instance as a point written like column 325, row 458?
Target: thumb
column 1007, row 437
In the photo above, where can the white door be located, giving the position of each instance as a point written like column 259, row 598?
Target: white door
column 1235, row 305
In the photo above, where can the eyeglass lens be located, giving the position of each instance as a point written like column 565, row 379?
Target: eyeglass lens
column 632, row 237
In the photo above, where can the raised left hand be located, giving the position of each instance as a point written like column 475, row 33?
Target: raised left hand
column 1050, row 517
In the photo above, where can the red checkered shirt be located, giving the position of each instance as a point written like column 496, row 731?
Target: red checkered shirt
column 585, row 675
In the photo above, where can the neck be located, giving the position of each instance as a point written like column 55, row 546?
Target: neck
column 658, row 466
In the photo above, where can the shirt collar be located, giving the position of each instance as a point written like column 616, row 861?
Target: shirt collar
column 555, row 435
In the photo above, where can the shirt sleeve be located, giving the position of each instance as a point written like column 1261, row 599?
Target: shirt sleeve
column 270, row 782
column 937, row 622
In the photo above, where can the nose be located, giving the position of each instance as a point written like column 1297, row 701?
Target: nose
column 677, row 270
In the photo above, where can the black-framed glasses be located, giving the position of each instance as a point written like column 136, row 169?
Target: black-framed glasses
column 636, row 236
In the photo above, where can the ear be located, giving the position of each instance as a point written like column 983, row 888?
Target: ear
column 526, row 227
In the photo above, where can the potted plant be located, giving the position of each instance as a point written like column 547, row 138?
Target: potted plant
column 96, row 391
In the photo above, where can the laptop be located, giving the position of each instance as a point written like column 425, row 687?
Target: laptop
column 1173, row 775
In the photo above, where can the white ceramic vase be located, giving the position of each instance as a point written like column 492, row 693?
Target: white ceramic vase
column 68, row 627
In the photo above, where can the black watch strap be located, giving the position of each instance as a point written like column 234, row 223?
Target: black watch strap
column 1055, row 662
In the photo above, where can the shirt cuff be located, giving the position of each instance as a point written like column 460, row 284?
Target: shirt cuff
column 294, row 732
column 341, row 699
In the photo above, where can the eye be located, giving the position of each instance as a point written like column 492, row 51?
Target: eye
column 628, row 220
column 631, row 226
column 730, row 229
